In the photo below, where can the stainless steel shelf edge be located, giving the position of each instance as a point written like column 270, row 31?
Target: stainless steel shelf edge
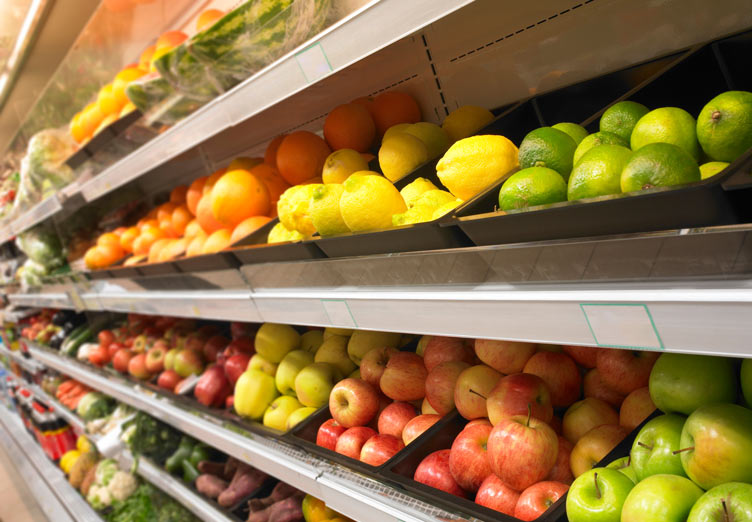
column 36, row 214
column 70, row 417
column 30, row 365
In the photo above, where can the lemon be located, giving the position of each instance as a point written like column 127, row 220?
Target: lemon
column 401, row 154
column 596, row 139
column 341, row 163
column 724, row 126
column 667, row 125
column 433, row 137
column 532, row 186
column 710, row 169
column 473, row 164
column 325, row 213
column 548, row 147
column 279, row 234
column 465, row 121
column 412, row 216
column 369, row 202
column 659, row 165
column 445, row 209
column 434, row 199
column 575, row 131
column 293, row 208
column 424, row 207
column 598, row 173
column 622, row 117
column 394, row 129
column 413, row 190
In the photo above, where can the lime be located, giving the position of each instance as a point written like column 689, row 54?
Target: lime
column 621, row 118
column 400, row 154
column 532, row 186
column 724, row 127
column 465, row 121
column 596, row 139
column 432, row 136
column 598, row 173
column 548, row 147
column 658, row 165
column 341, row 163
column 667, row 125
column 325, row 213
column 575, row 131
column 710, row 169
column 413, row 190
column 369, row 202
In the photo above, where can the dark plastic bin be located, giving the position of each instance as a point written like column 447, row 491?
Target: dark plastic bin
column 254, row 249
column 205, row 262
column 103, row 139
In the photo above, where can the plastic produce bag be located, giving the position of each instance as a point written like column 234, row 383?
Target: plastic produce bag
column 159, row 101
column 42, row 245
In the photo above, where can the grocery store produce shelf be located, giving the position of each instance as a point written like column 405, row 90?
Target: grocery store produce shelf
column 69, row 416
column 56, row 497
column 30, row 365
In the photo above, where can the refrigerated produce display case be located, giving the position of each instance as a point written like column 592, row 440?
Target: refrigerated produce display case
column 329, row 260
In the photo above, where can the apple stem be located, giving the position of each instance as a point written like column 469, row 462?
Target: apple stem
column 597, row 489
column 682, row 450
column 643, row 445
column 726, row 517
column 476, row 393
column 529, row 414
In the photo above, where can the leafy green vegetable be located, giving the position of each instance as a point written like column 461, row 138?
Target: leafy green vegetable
column 105, row 470
column 94, row 405
column 152, row 438
column 148, row 504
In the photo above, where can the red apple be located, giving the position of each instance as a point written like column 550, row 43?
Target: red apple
column 594, row 386
column 434, row 471
column 562, row 472
column 113, row 348
column 556, row 424
column 235, row 366
column 230, row 402
column 238, row 345
column 153, row 332
column 351, row 442
column 415, row 427
column 121, row 360
column 380, row 448
column 194, row 342
column 137, row 367
column 478, row 422
column 128, row 342
column 585, row 356
column 328, row 434
column 188, row 362
column 536, row 499
column 168, row 379
column 373, row 364
column 585, row 415
column 625, row 370
column 384, row 403
column 473, row 385
column 512, row 395
column 242, row 329
column 522, row 450
column 155, row 359
column 440, row 384
column 353, row 402
column 560, row 374
column 394, row 417
column 636, row 408
column 164, row 323
column 214, row 346
column 207, row 331
column 468, row 461
column 404, row 378
column 494, row 494
column 213, row 387
column 445, row 349
column 504, row 356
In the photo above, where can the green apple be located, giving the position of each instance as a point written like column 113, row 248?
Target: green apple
column 345, row 332
column 422, row 344
column 725, row 503
column 355, row 374
column 254, row 392
column 259, row 362
column 660, row 498
column 298, row 415
column 681, row 383
column 274, row 341
column 362, row 341
column 288, row 369
column 311, row 340
column 716, row 445
column 653, row 450
column 745, row 376
column 279, row 410
column 169, row 360
column 598, row 495
column 314, row 382
column 334, row 351
column 624, row 465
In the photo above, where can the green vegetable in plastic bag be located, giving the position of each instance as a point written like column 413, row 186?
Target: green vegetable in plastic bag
column 106, row 469
column 94, row 405
column 43, row 246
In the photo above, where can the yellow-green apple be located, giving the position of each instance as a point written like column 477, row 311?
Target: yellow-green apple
column 279, row 410
column 288, row 369
column 654, row 447
column 394, row 417
column 584, row 415
column 353, row 402
column 725, row 503
column 625, row 370
column 745, row 378
column 434, row 471
column 137, row 367
column 259, row 362
column 624, row 464
column 168, row 379
column 593, row 386
column 373, row 364
column 416, row 426
column 545, row 347
column 188, row 362
column 425, row 407
column 422, row 342
column 474, row 384
column 522, row 450
column 562, row 471
column 351, row 442
column 298, row 416
column 496, row 495
column 356, row 374
column 214, row 346
column 536, row 499
column 155, row 358
column 444, row 349
column 637, row 407
column 561, row 375
column 169, row 361
column 254, row 392
column 660, row 498
column 598, row 496
column 328, row 332
column 362, row 341
column 504, row 356
column 404, row 378
column 681, row 383
column 235, row 366
column 515, row 394
column 213, row 388
column 585, row 356
column 334, row 351
column 716, row 445
column 468, row 460
column 274, row 341
column 311, row 340
column 440, row 384
column 328, row 433
column 593, row 447
column 314, row 383
column 380, row 448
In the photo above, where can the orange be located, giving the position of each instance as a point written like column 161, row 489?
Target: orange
column 273, row 181
column 165, row 43
column 301, row 156
column 111, row 254
column 127, row 238
column 212, row 179
column 350, row 126
column 196, row 246
column 177, row 196
column 93, row 258
column 149, row 234
column 208, row 18
column 127, row 108
column 173, row 249
column 119, row 231
column 145, row 59
column 248, row 227
column 156, row 248
column 244, row 162
column 205, row 216
column 166, row 226
column 193, row 229
column 181, row 216
column 148, row 222
column 164, row 211
column 91, row 117
column 366, row 102
column 109, row 119
column 368, row 156
column 270, row 155
column 219, row 240
column 134, row 260
column 77, row 130
column 393, row 107
column 107, row 102
column 152, row 214
column 238, row 195
column 195, row 191
column 121, row 81
column 108, row 238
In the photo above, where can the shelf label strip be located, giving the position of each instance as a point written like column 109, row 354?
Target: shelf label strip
column 622, row 325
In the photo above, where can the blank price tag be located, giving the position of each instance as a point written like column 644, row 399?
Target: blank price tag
column 314, row 63
column 75, row 299
column 339, row 313
column 622, row 326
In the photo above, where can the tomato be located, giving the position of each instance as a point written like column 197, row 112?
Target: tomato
column 106, row 338
column 99, row 356
column 113, row 348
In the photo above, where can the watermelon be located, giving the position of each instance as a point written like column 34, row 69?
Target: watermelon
column 156, row 98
